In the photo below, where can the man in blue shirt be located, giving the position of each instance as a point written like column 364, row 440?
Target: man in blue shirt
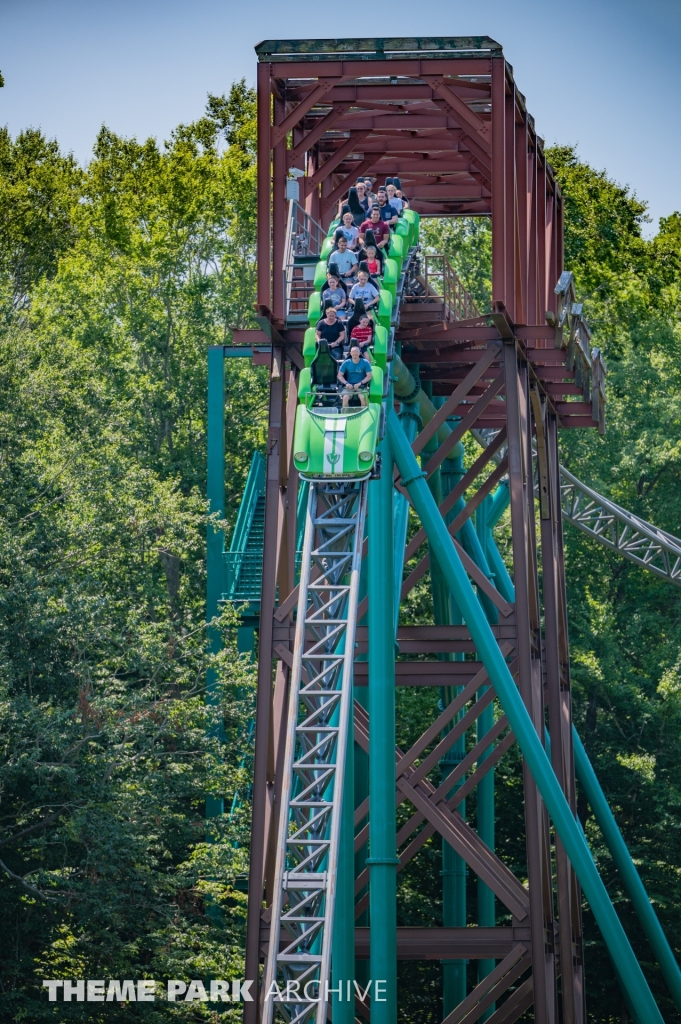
column 354, row 374
column 388, row 212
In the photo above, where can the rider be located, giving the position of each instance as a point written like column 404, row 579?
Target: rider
column 362, row 334
column 333, row 331
column 364, row 290
column 349, row 230
column 336, row 294
column 344, row 258
column 375, row 224
column 354, row 374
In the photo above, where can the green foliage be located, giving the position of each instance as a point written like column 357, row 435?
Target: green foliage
column 467, row 243
column 39, row 188
column 115, row 281
column 624, row 623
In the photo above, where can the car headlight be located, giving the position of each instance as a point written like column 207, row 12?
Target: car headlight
column 366, row 456
column 301, row 456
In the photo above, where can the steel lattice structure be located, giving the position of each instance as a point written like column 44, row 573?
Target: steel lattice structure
column 314, row 760
column 447, row 117
column 620, row 530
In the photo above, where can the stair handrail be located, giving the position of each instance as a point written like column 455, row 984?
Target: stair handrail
column 458, row 302
column 304, row 237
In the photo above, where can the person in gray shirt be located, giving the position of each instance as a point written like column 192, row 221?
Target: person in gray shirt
column 344, row 258
column 365, row 291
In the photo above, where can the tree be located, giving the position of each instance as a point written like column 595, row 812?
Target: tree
column 624, row 623
column 108, row 750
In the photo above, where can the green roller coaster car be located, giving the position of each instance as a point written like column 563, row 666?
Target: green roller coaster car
column 380, row 353
column 332, row 443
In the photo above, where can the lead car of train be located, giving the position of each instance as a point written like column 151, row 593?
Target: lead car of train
column 329, row 442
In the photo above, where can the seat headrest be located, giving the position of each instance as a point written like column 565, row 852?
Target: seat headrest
column 323, row 368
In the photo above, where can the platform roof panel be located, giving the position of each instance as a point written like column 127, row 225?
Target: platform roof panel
column 450, row 47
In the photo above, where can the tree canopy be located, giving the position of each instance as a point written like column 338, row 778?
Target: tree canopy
column 624, row 623
column 114, row 280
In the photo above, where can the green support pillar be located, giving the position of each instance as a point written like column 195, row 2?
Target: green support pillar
column 446, row 613
column 382, row 825
column 632, row 980
column 485, row 788
column 215, row 443
column 495, row 505
column 630, row 876
column 411, row 424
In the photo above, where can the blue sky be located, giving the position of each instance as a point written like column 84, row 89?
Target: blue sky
column 601, row 74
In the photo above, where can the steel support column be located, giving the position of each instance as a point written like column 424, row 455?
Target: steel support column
column 453, row 866
column 263, row 173
column 519, row 473
column 263, row 768
column 556, row 679
column 382, row 858
column 629, row 971
column 215, row 438
column 278, row 216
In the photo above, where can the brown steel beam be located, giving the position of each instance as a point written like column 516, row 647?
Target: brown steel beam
column 263, row 782
column 491, row 988
column 474, row 126
column 409, row 67
column 519, row 474
column 362, row 168
column 447, row 943
column 333, row 161
column 263, row 183
column 315, row 134
column 280, row 130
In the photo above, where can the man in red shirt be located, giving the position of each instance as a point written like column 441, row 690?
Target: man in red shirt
column 379, row 227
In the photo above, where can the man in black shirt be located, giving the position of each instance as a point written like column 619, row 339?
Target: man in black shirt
column 333, row 331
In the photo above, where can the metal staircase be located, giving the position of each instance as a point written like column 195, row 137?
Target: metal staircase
column 304, row 238
column 297, row 967
column 243, row 561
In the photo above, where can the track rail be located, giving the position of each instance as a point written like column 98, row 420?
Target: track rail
column 621, row 531
column 297, row 968
column 611, row 525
